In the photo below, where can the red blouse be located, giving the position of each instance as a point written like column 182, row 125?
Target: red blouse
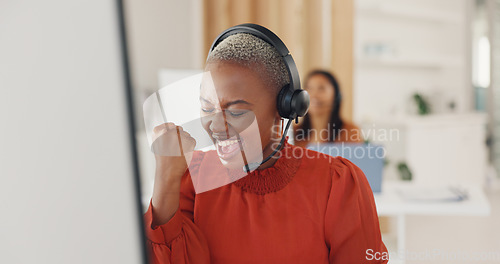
column 307, row 208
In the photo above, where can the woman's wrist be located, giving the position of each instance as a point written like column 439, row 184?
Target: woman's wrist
column 165, row 201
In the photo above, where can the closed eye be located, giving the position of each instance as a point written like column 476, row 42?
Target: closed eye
column 207, row 110
column 237, row 113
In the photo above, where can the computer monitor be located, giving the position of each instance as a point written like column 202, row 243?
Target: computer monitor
column 68, row 184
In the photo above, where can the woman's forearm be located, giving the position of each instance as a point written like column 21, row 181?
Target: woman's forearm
column 166, row 191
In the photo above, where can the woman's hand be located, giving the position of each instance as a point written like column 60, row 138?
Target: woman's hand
column 169, row 154
column 173, row 149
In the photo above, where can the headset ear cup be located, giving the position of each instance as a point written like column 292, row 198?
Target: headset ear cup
column 284, row 101
column 300, row 103
column 292, row 103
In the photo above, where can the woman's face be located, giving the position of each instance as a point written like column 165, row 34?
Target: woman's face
column 238, row 110
column 322, row 94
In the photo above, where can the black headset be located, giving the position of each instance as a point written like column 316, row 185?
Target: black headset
column 292, row 101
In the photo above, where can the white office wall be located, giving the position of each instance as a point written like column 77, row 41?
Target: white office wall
column 66, row 193
column 163, row 34
column 407, row 46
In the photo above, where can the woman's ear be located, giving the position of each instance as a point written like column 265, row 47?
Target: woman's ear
column 277, row 126
column 277, row 118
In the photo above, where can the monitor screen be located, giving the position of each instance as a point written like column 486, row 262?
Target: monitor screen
column 68, row 185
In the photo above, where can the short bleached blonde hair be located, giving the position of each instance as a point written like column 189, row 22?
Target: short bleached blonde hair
column 254, row 53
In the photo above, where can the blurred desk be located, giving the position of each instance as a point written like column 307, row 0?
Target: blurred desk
column 390, row 202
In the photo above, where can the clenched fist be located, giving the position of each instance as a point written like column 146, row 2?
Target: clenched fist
column 173, row 147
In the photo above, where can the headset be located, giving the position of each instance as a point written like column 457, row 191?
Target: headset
column 292, row 102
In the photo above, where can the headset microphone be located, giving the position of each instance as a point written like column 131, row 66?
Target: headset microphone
column 252, row 166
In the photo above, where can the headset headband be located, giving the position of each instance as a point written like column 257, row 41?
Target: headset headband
column 269, row 37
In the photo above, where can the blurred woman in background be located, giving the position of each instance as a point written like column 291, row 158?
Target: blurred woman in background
column 323, row 123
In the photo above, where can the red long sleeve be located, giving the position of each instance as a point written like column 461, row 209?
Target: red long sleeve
column 307, row 208
column 179, row 240
column 352, row 227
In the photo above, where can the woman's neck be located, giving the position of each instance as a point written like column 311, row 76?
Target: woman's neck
column 273, row 143
column 268, row 150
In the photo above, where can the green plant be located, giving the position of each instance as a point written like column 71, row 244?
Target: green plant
column 422, row 104
column 404, row 172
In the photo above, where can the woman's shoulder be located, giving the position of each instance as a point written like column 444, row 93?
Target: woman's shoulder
column 313, row 160
column 319, row 163
column 198, row 158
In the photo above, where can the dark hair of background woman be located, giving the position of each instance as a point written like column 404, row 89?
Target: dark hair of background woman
column 335, row 122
